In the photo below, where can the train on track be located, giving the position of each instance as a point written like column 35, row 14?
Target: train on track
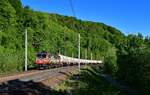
column 45, row 60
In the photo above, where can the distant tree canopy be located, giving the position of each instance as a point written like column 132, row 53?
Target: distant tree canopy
column 8, row 15
column 17, row 6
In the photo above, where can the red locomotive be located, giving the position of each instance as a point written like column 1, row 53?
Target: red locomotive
column 42, row 58
column 45, row 60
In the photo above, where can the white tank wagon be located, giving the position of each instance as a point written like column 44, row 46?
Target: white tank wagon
column 55, row 59
column 66, row 59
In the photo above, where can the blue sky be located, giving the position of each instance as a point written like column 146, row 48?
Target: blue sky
column 129, row 16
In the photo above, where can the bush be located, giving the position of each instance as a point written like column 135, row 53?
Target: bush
column 11, row 61
column 110, row 62
column 134, row 69
column 90, row 82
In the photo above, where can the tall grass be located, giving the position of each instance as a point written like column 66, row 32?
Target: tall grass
column 89, row 82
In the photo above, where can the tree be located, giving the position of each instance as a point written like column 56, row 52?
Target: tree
column 8, row 15
column 17, row 6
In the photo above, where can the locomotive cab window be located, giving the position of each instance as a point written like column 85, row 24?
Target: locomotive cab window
column 41, row 55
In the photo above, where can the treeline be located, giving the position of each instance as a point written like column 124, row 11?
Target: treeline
column 125, row 57
column 47, row 32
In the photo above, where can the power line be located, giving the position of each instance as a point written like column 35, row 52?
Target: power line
column 72, row 8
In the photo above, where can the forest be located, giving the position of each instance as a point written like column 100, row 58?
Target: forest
column 126, row 57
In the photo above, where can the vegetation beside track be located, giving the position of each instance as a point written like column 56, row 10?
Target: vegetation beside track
column 89, row 82
column 126, row 57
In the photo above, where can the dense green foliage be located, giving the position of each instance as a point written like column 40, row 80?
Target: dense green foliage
column 134, row 65
column 90, row 82
column 125, row 57
column 49, row 32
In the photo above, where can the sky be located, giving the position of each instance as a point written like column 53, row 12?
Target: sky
column 129, row 16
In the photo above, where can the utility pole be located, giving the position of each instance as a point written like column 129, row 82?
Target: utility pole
column 79, row 50
column 72, row 54
column 26, row 50
column 91, row 56
column 86, row 54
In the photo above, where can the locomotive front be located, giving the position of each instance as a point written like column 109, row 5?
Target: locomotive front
column 42, row 59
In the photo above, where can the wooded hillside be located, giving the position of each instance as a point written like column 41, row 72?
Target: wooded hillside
column 125, row 57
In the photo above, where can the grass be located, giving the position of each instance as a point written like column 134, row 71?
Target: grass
column 89, row 82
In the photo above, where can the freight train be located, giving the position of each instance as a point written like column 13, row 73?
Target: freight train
column 45, row 60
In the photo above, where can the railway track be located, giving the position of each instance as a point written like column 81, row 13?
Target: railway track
column 9, row 77
column 37, row 75
column 35, row 82
column 47, row 74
